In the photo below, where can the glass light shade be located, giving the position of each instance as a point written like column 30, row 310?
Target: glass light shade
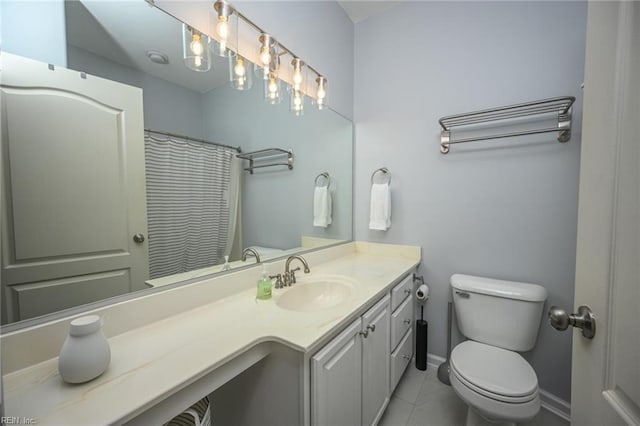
column 268, row 56
column 272, row 89
column 223, row 22
column 240, row 72
column 298, row 74
column 296, row 101
column 320, row 101
column 195, row 49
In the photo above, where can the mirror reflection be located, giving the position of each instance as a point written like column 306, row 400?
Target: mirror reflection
column 127, row 170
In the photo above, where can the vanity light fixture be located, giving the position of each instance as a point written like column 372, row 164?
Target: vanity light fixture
column 240, row 69
column 223, row 13
column 272, row 89
column 298, row 73
column 296, row 101
column 195, row 49
column 321, row 93
column 269, row 59
column 227, row 21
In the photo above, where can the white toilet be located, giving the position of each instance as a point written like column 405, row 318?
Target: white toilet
column 501, row 318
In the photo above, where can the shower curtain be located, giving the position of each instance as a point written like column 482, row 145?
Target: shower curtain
column 193, row 203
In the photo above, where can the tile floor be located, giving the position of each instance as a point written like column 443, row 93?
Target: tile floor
column 422, row 400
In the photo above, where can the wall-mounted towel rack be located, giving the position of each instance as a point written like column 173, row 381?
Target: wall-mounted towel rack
column 561, row 106
column 323, row 175
column 383, row 170
column 270, row 156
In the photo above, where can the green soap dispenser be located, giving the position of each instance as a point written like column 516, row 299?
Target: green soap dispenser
column 264, row 285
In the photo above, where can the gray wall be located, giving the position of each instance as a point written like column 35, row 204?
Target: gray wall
column 504, row 209
column 277, row 203
column 34, row 29
column 167, row 106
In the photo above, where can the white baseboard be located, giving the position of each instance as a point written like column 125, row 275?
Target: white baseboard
column 555, row 405
column 434, row 361
column 549, row 402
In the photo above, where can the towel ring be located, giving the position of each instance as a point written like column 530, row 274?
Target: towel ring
column 324, row 175
column 381, row 170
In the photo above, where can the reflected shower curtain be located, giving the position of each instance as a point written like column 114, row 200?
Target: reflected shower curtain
column 192, row 203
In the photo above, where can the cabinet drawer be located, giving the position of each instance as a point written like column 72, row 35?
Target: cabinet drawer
column 401, row 291
column 400, row 358
column 401, row 321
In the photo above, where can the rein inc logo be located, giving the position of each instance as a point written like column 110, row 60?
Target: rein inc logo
column 15, row 420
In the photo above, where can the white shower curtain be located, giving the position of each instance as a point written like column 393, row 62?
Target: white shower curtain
column 192, row 201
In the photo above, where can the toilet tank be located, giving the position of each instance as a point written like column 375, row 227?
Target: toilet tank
column 499, row 313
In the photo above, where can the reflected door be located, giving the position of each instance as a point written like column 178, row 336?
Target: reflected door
column 73, row 203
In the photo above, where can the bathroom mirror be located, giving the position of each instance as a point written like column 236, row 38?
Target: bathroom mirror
column 69, row 221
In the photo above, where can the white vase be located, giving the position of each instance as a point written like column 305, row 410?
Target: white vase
column 85, row 353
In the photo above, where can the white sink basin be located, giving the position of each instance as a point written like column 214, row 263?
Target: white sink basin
column 315, row 295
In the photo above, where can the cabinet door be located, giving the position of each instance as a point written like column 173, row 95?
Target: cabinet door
column 336, row 380
column 375, row 361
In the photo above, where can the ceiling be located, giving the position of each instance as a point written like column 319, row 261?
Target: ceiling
column 361, row 10
column 125, row 33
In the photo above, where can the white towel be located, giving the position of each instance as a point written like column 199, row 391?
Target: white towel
column 380, row 214
column 321, row 206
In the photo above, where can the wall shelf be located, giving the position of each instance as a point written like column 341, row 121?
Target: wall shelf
column 560, row 106
column 269, row 157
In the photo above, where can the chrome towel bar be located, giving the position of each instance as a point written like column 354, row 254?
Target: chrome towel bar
column 561, row 106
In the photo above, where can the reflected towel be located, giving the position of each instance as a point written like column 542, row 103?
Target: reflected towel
column 321, row 207
column 380, row 210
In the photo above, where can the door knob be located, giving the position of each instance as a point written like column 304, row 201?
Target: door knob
column 583, row 319
column 138, row 238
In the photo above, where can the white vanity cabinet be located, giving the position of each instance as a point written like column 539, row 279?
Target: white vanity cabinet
column 402, row 319
column 350, row 374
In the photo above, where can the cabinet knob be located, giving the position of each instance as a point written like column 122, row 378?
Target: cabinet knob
column 407, row 357
column 371, row 327
column 138, row 238
column 407, row 292
column 407, row 321
column 364, row 333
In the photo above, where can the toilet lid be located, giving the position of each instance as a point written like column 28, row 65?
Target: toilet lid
column 495, row 370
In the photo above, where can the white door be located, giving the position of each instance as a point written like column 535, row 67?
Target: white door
column 375, row 361
column 73, row 188
column 606, row 369
column 336, row 380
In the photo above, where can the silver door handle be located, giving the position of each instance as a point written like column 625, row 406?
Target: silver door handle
column 583, row 319
column 138, row 238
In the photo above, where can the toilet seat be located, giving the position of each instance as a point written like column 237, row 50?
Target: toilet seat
column 494, row 372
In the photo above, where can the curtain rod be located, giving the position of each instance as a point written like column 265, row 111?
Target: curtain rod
column 189, row 138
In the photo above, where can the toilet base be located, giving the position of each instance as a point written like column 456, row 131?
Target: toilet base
column 475, row 419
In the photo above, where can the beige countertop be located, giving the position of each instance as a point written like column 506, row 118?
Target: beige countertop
column 151, row 362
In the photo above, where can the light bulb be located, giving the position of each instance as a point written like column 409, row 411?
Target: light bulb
column 265, row 56
column 297, row 76
column 222, row 28
column 297, row 101
column 239, row 68
column 196, row 45
column 321, row 93
column 273, row 86
column 197, row 61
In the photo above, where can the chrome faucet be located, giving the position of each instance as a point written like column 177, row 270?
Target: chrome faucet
column 290, row 274
column 252, row 251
